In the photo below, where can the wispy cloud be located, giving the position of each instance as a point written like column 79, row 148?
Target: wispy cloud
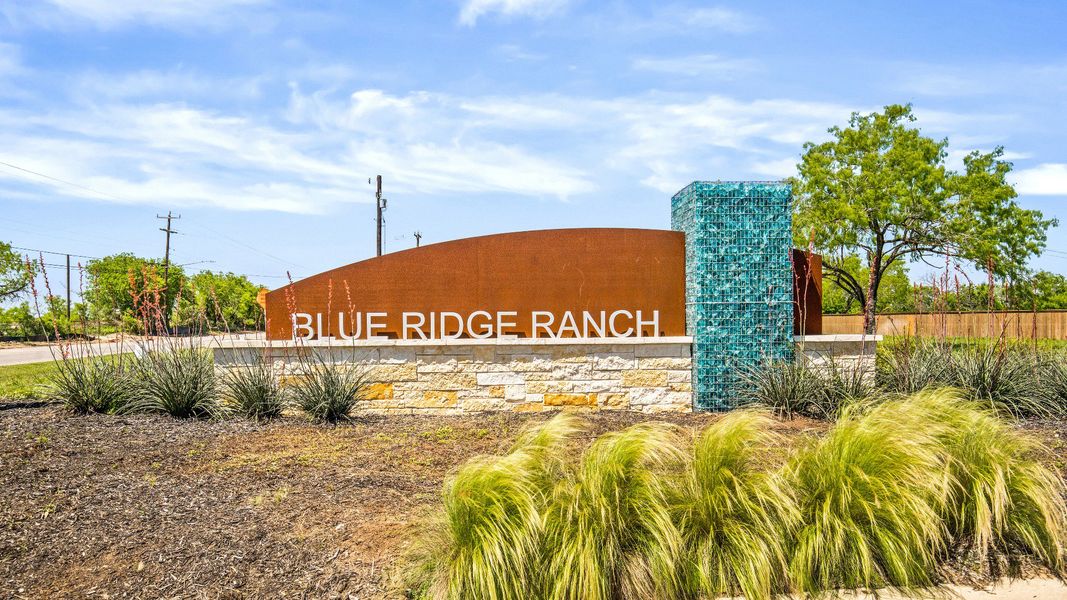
column 108, row 14
column 1047, row 179
column 472, row 10
column 696, row 65
column 719, row 18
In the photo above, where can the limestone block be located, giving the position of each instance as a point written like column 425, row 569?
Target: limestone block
column 681, row 386
column 440, row 366
column 526, row 407
column 665, row 363
column 484, row 404
column 396, row 354
column 569, row 354
column 648, row 396
column 449, row 381
column 514, row 393
column 437, row 399
column 504, row 378
column 496, row 391
column 615, row 401
column 395, row 372
column 570, row 399
column 379, row 391
column 535, row 398
column 614, row 361
column 661, row 350
column 685, row 376
column 644, row 378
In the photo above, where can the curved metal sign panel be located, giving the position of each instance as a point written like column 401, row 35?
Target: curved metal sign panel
column 551, row 283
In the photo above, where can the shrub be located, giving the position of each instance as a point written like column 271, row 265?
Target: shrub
column 254, row 391
column 867, row 496
column 488, row 543
column 180, row 382
column 999, row 498
column 328, row 392
column 841, row 384
column 1005, row 380
column 786, row 387
column 912, row 365
column 94, row 384
column 734, row 515
column 609, row 532
column 1054, row 384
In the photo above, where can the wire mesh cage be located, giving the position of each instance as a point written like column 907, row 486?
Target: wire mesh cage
column 739, row 305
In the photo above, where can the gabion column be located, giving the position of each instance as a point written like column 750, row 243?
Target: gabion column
column 738, row 283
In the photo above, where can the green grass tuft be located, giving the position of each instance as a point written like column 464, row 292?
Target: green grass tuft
column 735, row 516
column 95, row 384
column 180, row 382
column 329, row 392
column 253, row 391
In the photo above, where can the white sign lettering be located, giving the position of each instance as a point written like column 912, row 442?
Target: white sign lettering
column 479, row 324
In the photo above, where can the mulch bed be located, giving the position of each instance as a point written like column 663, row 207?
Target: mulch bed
column 152, row 507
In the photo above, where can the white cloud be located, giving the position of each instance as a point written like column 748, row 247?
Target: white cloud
column 776, row 169
column 720, row 19
column 115, row 13
column 10, row 59
column 1047, row 179
column 472, row 10
column 696, row 65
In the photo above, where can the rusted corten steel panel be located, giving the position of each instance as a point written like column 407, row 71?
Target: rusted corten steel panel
column 807, row 293
column 553, row 270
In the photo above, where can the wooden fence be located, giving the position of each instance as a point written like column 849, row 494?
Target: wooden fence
column 1051, row 325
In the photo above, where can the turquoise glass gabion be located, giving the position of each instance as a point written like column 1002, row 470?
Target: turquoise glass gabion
column 738, row 283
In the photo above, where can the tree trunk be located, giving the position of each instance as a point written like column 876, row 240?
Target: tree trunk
column 870, row 326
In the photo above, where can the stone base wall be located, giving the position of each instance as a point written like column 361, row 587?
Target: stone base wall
column 647, row 375
column 850, row 351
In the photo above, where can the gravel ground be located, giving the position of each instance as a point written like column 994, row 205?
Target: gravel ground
column 152, row 507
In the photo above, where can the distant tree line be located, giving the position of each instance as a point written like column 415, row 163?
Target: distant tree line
column 124, row 292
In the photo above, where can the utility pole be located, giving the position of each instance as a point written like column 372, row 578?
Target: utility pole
column 166, row 266
column 418, row 238
column 379, row 203
column 68, row 288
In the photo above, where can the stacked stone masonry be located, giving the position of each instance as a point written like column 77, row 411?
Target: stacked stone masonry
column 646, row 375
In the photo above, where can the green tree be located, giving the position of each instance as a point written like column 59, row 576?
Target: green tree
column 1041, row 291
column 15, row 273
column 880, row 189
column 122, row 287
column 896, row 296
column 221, row 301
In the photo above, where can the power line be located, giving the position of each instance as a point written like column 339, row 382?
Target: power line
column 63, row 181
column 54, row 252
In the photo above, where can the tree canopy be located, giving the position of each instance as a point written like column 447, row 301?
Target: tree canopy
column 120, row 287
column 880, row 190
column 221, row 301
column 15, row 273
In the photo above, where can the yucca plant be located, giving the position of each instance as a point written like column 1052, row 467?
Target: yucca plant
column 786, row 387
column 998, row 498
column 867, row 494
column 911, row 365
column 1005, row 380
column 735, row 515
column 329, row 392
column 609, row 529
column 180, row 382
column 1054, row 383
column 253, row 391
column 842, row 383
column 488, row 542
column 94, row 384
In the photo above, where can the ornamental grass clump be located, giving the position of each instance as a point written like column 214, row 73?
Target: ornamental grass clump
column 912, row 365
column 94, row 384
column 329, row 392
column 786, row 387
column 1005, row 380
column 735, row 514
column 488, row 541
column 180, row 382
column 609, row 529
column 999, row 500
column 253, row 391
column 867, row 494
column 1054, row 383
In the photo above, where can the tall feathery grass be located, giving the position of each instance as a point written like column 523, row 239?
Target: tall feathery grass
column 489, row 539
column 878, row 501
column 999, row 499
column 735, row 514
column 609, row 531
column 867, row 493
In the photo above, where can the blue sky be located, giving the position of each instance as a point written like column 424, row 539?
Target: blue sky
column 260, row 121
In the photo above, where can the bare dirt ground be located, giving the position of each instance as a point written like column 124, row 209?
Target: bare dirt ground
column 152, row 507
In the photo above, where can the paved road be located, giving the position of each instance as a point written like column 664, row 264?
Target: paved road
column 44, row 353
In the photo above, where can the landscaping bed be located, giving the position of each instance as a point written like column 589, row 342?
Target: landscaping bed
column 151, row 506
